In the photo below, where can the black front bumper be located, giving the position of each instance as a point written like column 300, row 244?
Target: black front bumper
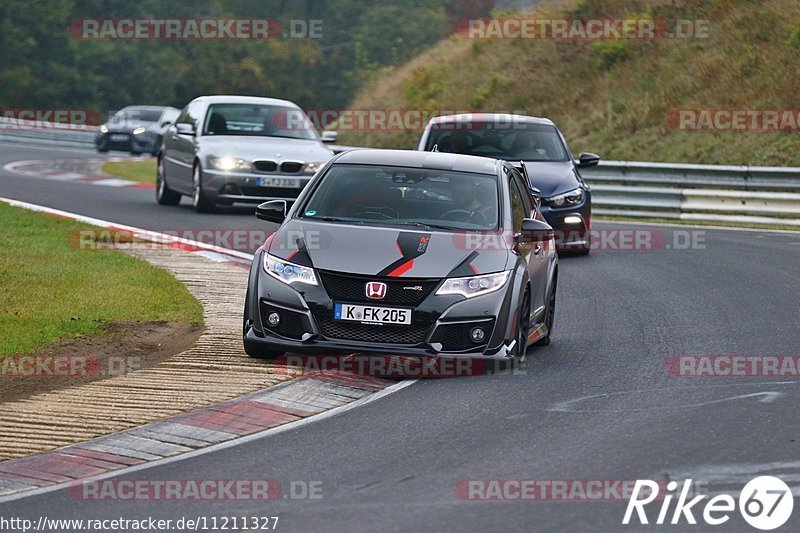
column 569, row 235
column 441, row 324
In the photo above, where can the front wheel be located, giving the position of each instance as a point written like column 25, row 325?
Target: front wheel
column 549, row 316
column 200, row 203
column 165, row 195
column 521, row 346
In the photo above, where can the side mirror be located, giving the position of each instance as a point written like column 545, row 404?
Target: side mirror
column 166, row 123
column 329, row 136
column 588, row 159
column 185, row 129
column 535, row 191
column 272, row 211
column 535, row 231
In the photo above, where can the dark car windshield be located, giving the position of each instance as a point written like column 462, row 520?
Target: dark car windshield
column 258, row 120
column 399, row 196
column 512, row 142
column 137, row 114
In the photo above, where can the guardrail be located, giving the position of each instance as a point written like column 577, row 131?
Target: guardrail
column 741, row 195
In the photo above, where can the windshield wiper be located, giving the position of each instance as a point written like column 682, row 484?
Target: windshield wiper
column 335, row 219
column 426, row 225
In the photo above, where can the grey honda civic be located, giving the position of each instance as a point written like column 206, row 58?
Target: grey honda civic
column 403, row 252
column 226, row 149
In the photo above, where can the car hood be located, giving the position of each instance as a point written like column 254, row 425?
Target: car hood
column 552, row 178
column 391, row 252
column 275, row 148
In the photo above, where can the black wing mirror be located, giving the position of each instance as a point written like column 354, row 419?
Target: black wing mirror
column 535, row 231
column 272, row 211
column 588, row 159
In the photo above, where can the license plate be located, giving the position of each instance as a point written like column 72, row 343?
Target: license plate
column 119, row 137
column 272, row 181
column 371, row 314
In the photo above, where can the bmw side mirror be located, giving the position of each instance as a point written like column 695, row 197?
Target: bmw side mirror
column 588, row 159
column 536, row 192
column 166, row 123
column 272, row 211
column 329, row 136
column 185, row 129
column 535, row 231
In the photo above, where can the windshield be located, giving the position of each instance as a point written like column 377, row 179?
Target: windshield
column 398, row 196
column 515, row 142
column 137, row 114
column 258, row 120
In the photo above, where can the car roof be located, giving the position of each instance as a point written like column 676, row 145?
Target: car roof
column 490, row 117
column 238, row 99
column 418, row 159
column 143, row 108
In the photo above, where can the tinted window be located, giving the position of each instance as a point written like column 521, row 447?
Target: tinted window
column 258, row 120
column 512, row 142
column 391, row 196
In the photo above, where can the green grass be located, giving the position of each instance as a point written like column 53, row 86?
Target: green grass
column 51, row 289
column 615, row 97
column 142, row 171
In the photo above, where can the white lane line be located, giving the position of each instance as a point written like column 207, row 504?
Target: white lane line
column 213, row 448
column 216, row 447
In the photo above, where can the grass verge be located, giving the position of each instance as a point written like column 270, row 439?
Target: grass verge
column 141, row 171
column 52, row 290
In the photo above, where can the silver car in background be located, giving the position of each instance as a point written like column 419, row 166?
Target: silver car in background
column 226, row 149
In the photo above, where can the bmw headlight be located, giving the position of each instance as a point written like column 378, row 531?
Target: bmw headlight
column 139, row 130
column 229, row 163
column 288, row 272
column 567, row 199
column 475, row 285
column 103, row 129
column 313, row 168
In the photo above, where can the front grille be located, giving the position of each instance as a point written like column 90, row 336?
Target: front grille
column 292, row 324
column 456, row 338
column 266, row 166
column 337, row 329
column 272, row 192
column 290, row 167
column 399, row 291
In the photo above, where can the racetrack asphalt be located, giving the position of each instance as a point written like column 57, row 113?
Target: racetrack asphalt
column 600, row 403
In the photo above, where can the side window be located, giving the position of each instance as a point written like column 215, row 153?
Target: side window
column 527, row 202
column 517, row 204
column 189, row 115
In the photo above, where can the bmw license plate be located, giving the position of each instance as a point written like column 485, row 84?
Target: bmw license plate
column 371, row 314
column 119, row 137
column 273, row 181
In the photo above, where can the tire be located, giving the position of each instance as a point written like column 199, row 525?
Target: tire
column 165, row 195
column 523, row 328
column 255, row 349
column 549, row 316
column 200, row 203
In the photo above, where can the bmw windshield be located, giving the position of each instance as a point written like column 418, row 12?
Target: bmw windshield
column 512, row 142
column 399, row 196
column 258, row 120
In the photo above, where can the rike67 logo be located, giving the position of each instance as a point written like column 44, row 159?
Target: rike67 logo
column 765, row 503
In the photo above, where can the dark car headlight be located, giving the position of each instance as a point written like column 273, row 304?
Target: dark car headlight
column 474, row 285
column 569, row 198
column 288, row 272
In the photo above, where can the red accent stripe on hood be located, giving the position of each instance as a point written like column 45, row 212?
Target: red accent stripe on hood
column 402, row 269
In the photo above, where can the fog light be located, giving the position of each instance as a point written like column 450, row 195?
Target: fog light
column 477, row 335
column 572, row 220
column 273, row 319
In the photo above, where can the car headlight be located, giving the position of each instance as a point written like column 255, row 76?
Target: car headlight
column 569, row 198
column 229, row 163
column 474, row 285
column 103, row 129
column 288, row 272
column 313, row 168
column 139, row 130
